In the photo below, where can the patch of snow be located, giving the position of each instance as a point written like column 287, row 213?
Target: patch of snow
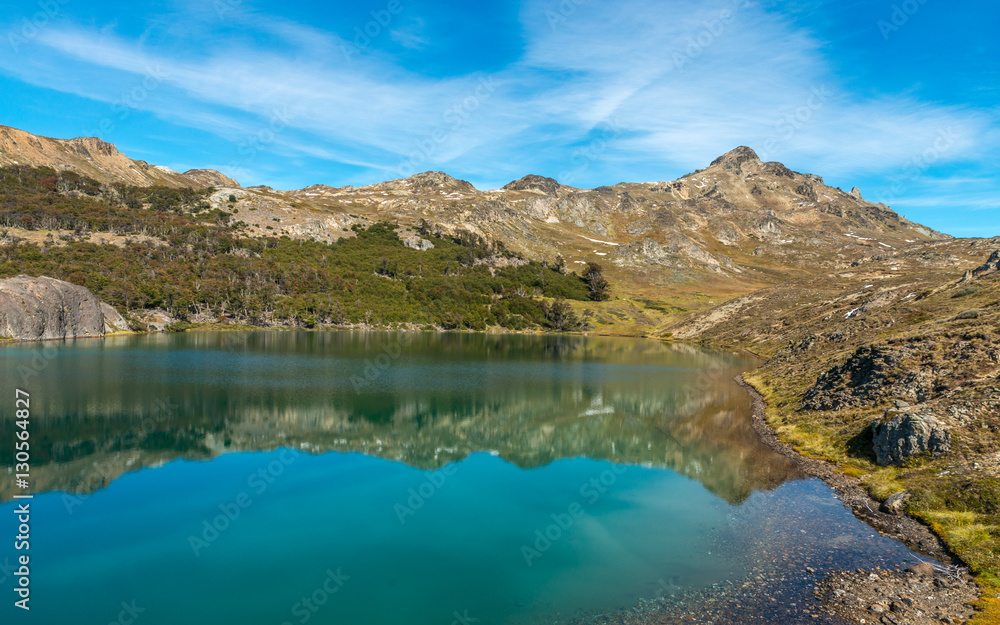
column 599, row 241
column 851, row 314
column 868, row 286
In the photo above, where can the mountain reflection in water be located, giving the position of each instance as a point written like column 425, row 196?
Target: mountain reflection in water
column 107, row 407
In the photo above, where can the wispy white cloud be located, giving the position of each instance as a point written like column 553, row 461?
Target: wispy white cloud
column 682, row 81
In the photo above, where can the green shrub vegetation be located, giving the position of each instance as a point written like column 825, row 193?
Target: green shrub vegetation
column 199, row 261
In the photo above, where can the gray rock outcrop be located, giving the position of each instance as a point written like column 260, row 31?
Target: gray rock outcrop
column 905, row 432
column 418, row 243
column 873, row 373
column 46, row 308
column 992, row 264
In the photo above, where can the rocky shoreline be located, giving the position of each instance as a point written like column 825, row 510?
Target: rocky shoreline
column 924, row 595
column 940, row 591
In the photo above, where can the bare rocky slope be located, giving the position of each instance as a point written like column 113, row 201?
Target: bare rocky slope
column 46, row 308
column 97, row 159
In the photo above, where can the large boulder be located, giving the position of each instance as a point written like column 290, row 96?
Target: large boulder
column 903, row 432
column 46, row 308
column 113, row 322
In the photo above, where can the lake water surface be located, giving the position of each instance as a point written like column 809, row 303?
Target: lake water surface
column 427, row 479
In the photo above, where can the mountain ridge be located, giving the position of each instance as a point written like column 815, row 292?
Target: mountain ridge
column 733, row 226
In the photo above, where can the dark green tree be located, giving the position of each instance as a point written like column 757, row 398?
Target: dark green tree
column 559, row 316
column 560, row 264
column 598, row 286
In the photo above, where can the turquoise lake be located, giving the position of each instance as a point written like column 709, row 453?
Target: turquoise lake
column 379, row 478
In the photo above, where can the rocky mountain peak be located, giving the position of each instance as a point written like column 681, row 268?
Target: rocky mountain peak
column 735, row 159
column 92, row 147
column 531, row 182
column 427, row 182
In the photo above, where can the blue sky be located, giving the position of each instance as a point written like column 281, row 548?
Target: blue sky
column 901, row 98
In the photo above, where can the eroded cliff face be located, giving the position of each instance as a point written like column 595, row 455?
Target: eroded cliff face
column 46, row 308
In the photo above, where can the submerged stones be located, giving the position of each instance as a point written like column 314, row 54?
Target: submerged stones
column 904, row 432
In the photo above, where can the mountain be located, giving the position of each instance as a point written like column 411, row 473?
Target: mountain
column 97, row 159
column 737, row 225
column 721, row 219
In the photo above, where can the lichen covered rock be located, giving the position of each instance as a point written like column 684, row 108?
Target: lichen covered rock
column 905, row 432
